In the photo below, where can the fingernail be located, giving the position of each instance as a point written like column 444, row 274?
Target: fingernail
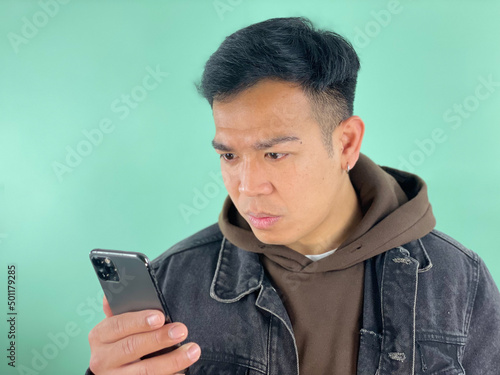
column 193, row 352
column 154, row 320
column 176, row 332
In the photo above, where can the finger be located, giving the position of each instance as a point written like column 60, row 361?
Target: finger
column 166, row 364
column 119, row 326
column 106, row 308
column 136, row 346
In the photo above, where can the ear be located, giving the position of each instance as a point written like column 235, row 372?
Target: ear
column 351, row 132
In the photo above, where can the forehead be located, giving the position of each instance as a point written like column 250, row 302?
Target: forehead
column 268, row 108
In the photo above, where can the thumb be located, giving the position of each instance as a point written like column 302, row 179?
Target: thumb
column 106, row 308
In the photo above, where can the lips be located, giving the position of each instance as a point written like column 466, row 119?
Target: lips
column 260, row 214
column 262, row 220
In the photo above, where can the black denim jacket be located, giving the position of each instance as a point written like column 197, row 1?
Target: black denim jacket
column 430, row 307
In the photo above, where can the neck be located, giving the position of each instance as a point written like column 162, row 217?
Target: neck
column 348, row 216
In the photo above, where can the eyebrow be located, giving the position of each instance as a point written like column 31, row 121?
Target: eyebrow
column 261, row 145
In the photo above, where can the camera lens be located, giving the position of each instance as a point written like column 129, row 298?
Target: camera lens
column 106, row 269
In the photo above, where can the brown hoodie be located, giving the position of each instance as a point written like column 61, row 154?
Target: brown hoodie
column 324, row 298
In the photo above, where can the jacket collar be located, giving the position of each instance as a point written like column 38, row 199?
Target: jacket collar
column 416, row 250
column 239, row 272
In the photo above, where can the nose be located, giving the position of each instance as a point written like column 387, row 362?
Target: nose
column 253, row 179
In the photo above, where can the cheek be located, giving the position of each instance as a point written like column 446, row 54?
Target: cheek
column 300, row 197
column 230, row 180
column 309, row 190
column 296, row 189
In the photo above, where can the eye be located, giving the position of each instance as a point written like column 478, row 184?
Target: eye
column 227, row 157
column 276, row 155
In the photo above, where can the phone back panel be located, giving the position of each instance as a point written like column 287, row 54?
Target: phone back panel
column 136, row 288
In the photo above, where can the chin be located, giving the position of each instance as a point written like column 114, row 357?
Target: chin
column 270, row 238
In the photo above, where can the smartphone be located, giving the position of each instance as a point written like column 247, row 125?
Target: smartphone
column 129, row 284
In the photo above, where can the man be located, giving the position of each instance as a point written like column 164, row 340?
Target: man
column 321, row 260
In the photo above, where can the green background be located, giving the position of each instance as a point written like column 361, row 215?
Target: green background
column 128, row 192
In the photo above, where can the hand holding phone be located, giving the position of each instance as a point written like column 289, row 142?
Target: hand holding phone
column 137, row 325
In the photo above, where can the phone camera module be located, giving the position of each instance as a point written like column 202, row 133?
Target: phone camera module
column 106, row 269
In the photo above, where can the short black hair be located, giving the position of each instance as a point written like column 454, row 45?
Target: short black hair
column 322, row 62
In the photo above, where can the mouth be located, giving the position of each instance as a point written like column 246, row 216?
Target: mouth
column 262, row 220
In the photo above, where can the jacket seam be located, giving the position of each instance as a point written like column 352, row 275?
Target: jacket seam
column 435, row 233
column 426, row 256
column 194, row 246
column 447, row 338
column 382, row 343
column 250, row 366
column 286, row 326
column 470, row 307
column 215, row 295
column 269, row 333
column 414, row 321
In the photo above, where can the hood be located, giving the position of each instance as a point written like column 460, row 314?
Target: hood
column 395, row 207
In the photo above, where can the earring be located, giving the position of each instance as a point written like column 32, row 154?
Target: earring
column 348, row 169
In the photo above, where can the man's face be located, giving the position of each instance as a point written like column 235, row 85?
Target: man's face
column 276, row 167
